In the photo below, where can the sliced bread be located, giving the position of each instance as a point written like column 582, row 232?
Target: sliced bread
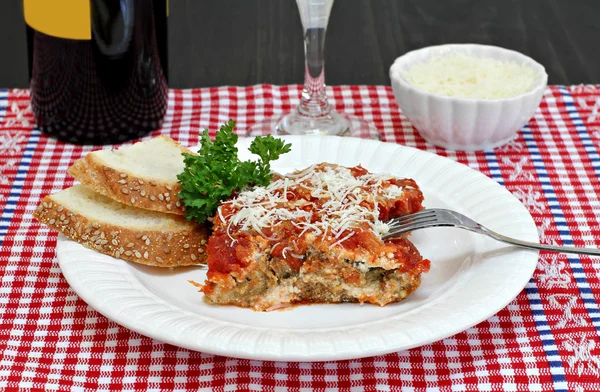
column 122, row 231
column 142, row 175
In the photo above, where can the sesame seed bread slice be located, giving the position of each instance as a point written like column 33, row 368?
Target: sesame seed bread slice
column 122, row 231
column 143, row 175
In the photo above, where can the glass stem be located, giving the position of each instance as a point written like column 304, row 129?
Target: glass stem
column 314, row 99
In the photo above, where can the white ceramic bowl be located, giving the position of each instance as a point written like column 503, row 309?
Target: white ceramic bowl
column 463, row 123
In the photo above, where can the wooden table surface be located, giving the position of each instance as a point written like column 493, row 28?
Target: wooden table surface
column 243, row 42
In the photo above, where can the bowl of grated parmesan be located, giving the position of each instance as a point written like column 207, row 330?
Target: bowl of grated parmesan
column 467, row 97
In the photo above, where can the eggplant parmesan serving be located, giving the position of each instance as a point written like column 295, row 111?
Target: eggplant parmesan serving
column 314, row 236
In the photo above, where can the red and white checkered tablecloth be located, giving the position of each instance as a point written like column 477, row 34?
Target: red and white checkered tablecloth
column 546, row 339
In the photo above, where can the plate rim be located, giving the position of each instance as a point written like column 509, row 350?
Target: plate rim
column 325, row 352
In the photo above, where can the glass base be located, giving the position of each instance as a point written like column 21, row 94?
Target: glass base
column 334, row 123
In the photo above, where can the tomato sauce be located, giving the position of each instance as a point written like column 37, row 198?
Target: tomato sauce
column 224, row 257
column 286, row 242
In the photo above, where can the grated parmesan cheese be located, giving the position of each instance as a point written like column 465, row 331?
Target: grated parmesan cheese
column 465, row 76
column 346, row 202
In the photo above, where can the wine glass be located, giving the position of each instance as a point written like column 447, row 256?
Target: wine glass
column 314, row 115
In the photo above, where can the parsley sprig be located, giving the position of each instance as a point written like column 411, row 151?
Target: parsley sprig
column 216, row 173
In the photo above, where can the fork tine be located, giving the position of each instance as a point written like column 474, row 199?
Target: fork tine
column 396, row 231
column 413, row 217
column 420, row 220
column 411, row 222
column 418, row 224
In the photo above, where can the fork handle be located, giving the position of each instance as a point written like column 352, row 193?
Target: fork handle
column 535, row 245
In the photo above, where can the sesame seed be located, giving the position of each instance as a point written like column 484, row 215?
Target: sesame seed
column 143, row 193
column 168, row 199
column 45, row 204
column 50, row 205
column 84, row 237
column 137, row 254
column 97, row 232
column 186, row 246
column 152, row 182
column 177, row 203
column 141, row 182
column 136, row 188
column 147, row 241
column 161, row 197
column 102, row 235
column 138, row 235
column 169, row 207
column 69, row 213
column 144, row 237
column 123, row 175
column 52, row 221
column 169, row 237
column 95, row 225
column 61, row 217
column 125, row 191
column 122, row 182
column 121, row 250
column 60, row 208
column 128, row 253
column 146, row 255
column 167, row 194
column 152, row 198
column 130, row 245
column 117, row 254
column 103, row 242
column 93, row 238
column 203, row 242
column 132, row 200
column 160, row 260
column 169, row 187
column 200, row 250
column 66, row 221
column 193, row 256
column 167, row 250
column 114, row 242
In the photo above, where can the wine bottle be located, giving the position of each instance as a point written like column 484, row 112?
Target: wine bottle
column 98, row 80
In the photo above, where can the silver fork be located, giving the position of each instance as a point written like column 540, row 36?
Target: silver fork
column 440, row 218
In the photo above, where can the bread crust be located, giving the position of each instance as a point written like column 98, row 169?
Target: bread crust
column 127, row 187
column 149, row 247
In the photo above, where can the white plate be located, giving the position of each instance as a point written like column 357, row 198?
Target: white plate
column 471, row 277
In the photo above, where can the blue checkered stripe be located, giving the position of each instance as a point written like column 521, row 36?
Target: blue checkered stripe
column 3, row 103
column 18, row 183
column 583, row 133
column 557, row 366
column 533, row 295
column 581, row 129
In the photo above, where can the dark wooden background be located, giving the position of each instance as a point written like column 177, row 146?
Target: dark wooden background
column 243, row 42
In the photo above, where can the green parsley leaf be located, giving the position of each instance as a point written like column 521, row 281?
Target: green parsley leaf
column 216, row 173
